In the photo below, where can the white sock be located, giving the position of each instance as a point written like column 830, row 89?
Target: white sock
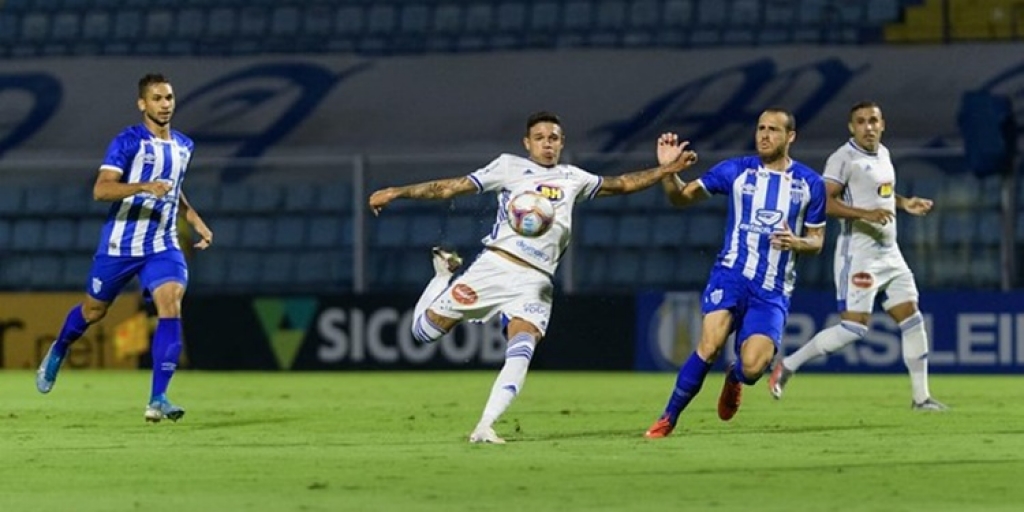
column 915, row 355
column 826, row 342
column 510, row 380
column 423, row 330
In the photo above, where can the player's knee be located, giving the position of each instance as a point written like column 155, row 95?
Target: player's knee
column 94, row 312
column 753, row 369
column 429, row 327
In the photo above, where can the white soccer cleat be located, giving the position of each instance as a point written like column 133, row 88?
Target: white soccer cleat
column 778, row 379
column 929, row 404
column 445, row 262
column 485, row 435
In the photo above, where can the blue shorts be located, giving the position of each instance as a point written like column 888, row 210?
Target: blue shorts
column 110, row 274
column 754, row 309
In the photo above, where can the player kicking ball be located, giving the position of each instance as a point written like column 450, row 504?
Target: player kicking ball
column 512, row 275
column 861, row 185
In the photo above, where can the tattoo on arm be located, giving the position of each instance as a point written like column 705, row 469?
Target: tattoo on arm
column 439, row 189
column 630, row 182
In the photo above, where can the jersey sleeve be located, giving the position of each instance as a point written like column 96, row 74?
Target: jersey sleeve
column 590, row 185
column 718, row 180
column 815, row 217
column 491, row 176
column 120, row 153
column 836, row 168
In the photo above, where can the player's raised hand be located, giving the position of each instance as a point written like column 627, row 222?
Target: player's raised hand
column 672, row 150
column 205, row 234
column 381, row 198
column 879, row 216
column 918, row 206
column 783, row 238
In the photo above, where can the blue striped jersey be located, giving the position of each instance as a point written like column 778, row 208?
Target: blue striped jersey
column 143, row 224
column 760, row 201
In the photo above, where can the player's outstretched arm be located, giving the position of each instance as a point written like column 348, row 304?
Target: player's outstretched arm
column 197, row 223
column 108, row 187
column 917, row 206
column 438, row 189
column 673, row 157
column 835, row 207
column 681, row 193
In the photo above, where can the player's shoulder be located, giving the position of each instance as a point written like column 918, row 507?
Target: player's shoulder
column 802, row 171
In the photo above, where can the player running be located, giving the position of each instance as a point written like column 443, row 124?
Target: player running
column 861, row 186
column 776, row 210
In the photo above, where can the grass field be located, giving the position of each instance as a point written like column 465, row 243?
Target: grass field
column 397, row 441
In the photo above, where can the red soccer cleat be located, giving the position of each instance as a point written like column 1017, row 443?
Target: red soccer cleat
column 661, row 428
column 732, row 393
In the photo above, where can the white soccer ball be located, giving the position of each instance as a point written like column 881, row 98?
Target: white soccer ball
column 530, row 214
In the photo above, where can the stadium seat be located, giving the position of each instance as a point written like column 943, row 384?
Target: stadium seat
column 285, row 21
column 189, row 24
column 597, row 230
column 253, row 22
column 87, row 233
column 669, row 230
column 256, row 233
column 278, row 268
column 46, row 272
column 426, row 230
column 464, row 231
column 59, row 235
column 414, row 19
column 159, row 24
column 299, row 197
column 677, row 13
column 72, row 199
column 415, row 270
column 11, row 197
column 745, row 13
column 633, row 230
column 5, row 232
column 348, row 20
column 244, row 269
column 75, row 271
column 511, row 16
column 40, row 200
column 265, row 199
column 479, row 18
column 990, row 227
column 202, row 197
column 27, row 235
column 234, row 198
column 624, row 267
column 389, row 231
column 289, row 232
column 35, row 27
column 65, row 27
column 711, row 13
column 326, row 231
column 335, row 197
column 706, row 230
column 957, row 228
column 127, row 26
column 544, row 17
column 226, row 230
column 658, row 269
column 9, row 24
column 208, row 269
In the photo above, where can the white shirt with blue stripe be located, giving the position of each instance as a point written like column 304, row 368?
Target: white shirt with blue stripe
column 761, row 200
column 142, row 224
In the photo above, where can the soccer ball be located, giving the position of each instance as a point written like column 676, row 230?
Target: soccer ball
column 530, row 214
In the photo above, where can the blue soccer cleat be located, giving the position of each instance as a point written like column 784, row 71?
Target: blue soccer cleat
column 160, row 409
column 46, row 375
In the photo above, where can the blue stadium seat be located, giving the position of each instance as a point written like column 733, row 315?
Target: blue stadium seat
column 244, row 269
column 633, row 230
column 479, row 18
column 15, row 271
column 957, row 228
column 127, row 26
column 643, row 14
column 299, row 197
column 745, row 13
column 66, row 27
column 579, row 15
column 11, row 199
column 658, row 270
column 414, row 19
column 669, row 230
column 27, row 235
column 985, row 269
column 463, row 231
column 9, row 24
column 335, row 197
column 814, row 12
column 511, row 16
column 781, row 13
column 87, row 233
column 706, row 230
column 389, row 231
column 59, row 235
column 349, row 20
column 544, row 17
column 189, row 24
column 327, row 231
column 226, row 231
column 288, row 232
column 415, row 270
column 285, row 21
column 35, row 27
column 711, row 13
column 5, row 232
column 593, row 268
column 234, row 198
column 265, row 198
column 46, row 272
column 597, row 230
column 990, row 227
column 253, row 22
column 220, row 23
column 426, row 230
column 40, row 200
column 624, row 267
column 159, row 24
column 381, row 19
column 73, row 199
column 278, row 268
column 317, row 21
column 208, row 269
column 75, row 271
column 256, row 233
column 325, row 269
column 677, row 13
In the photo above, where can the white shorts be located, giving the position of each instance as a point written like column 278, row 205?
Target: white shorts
column 493, row 284
column 861, row 275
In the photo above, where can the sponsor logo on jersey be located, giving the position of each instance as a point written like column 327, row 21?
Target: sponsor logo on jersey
column 748, row 189
column 464, row 295
column 768, row 217
column 551, row 192
column 885, row 190
column 862, row 280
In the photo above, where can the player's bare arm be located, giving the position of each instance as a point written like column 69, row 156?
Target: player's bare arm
column 835, row 207
column 673, row 157
column 784, row 239
column 197, row 223
column 681, row 193
column 917, row 206
column 438, row 189
column 108, row 187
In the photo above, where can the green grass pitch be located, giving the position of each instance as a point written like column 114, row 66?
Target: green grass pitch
column 397, row 441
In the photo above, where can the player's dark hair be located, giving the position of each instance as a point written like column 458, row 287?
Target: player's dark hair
column 864, row 104
column 151, row 79
column 790, row 118
column 541, row 117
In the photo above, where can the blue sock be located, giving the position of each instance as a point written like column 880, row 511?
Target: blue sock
column 74, row 326
column 166, row 349
column 688, row 382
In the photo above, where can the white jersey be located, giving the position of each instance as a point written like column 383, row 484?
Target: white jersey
column 870, row 183
column 509, row 176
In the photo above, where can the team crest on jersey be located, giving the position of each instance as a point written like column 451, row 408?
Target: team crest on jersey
column 768, row 217
column 716, row 296
column 885, row 190
column 551, row 192
column 97, row 285
column 464, row 295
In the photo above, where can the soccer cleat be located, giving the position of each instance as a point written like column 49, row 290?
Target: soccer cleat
column 732, row 393
column 661, row 428
column 445, row 262
column 778, row 379
column 161, row 409
column 485, row 435
column 929, row 404
column 46, row 375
